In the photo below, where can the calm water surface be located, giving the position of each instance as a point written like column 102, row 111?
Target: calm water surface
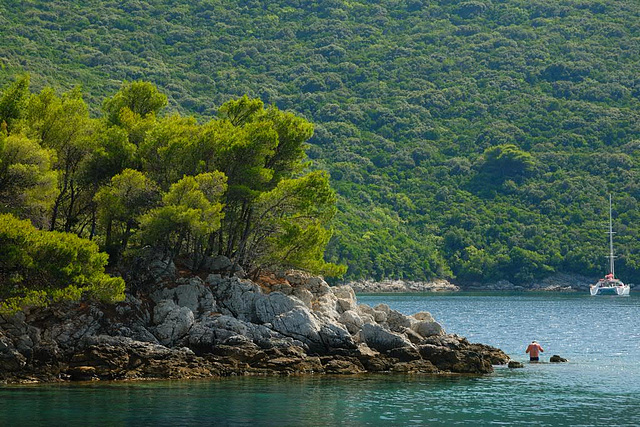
column 599, row 386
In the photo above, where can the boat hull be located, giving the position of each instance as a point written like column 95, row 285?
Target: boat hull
column 610, row 290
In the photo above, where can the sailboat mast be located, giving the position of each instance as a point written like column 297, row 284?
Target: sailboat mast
column 611, row 257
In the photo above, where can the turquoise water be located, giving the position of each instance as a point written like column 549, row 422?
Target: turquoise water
column 599, row 386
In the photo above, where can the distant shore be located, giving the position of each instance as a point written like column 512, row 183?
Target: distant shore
column 559, row 282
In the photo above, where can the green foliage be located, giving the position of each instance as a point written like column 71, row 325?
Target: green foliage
column 189, row 214
column 27, row 182
column 129, row 195
column 406, row 98
column 140, row 98
column 504, row 161
column 290, row 226
column 12, row 103
column 38, row 267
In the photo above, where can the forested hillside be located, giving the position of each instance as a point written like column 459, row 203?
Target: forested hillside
column 474, row 139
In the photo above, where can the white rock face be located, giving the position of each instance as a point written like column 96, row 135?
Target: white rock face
column 271, row 305
column 173, row 322
column 304, row 295
column 191, row 293
column 346, row 298
column 299, row 324
column 302, row 310
column 235, row 297
column 352, row 321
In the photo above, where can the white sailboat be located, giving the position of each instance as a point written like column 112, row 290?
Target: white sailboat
column 609, row 285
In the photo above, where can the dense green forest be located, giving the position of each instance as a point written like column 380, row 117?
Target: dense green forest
column 472, row 139
column 133, row 180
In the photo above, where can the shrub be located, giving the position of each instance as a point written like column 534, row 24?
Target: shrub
column 39, row 267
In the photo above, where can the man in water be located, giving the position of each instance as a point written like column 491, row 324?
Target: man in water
column 534, row 351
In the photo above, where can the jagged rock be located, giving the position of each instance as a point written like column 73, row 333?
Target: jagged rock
column 414, row 337
column 456, row 354
column 368, row 286
column 236, row 297
column 334, row 336
column 515, row 365
column 346, row 298
column 367, row 318
column 83, row 373
column 173, row 322
column 397, row 321
column 375, row 336
column 276, row 303
column 10, row 358
column 415, row 366
column 73, row 328
column 121, row 358
column 162, row 270
column 427, row 328
column 303, row 295
column 365, row 309
column 301, row 325
column 134, row 310
column 455, row 361
column 379, row 316
column 382, row 307
column 188, row 328
column 190, row 293
column 557, row 359
column 351, row 321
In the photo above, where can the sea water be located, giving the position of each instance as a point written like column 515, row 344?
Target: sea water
column 600, row 385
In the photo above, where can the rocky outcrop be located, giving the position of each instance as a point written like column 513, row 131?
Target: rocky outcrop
column 557, row 359
column 171, row 327
column 401, row 286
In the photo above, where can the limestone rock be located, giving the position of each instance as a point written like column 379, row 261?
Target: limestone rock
column 301, row 325
column 397, row 321
column 276, row 303
column 515, row 365
column 428, row 328
column 304, row 295
column 191, row 293
column 334, row 336
column 173, row 322
column 557, row 359
column 236, row 297
column 351, row 320
column 375, row 336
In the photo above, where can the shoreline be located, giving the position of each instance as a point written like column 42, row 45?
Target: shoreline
column 559, row 282
column 181, row 325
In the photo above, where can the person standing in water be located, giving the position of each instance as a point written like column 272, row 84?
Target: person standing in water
column 534, row 351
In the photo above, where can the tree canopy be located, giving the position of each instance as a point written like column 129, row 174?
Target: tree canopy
column 238, row 185
column 410, row 100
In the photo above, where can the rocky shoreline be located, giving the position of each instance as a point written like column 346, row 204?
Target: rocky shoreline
column 402, row 286
column 179, row 325
column 559, row 282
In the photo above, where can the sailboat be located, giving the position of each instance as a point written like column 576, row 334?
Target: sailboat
column 609, row 285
